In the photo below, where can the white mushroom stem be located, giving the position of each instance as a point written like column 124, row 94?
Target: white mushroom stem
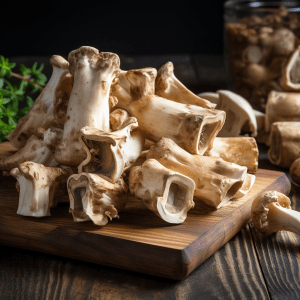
column 109, row 154
column 271, row 212
column 167, row 193
column 239, row 114
column 239, row 150
column 191, row 127
column 282, row 106
column 284, row 143
column 246, row 187
column 216, row 180
column 37, row 186
column 94, row 198
column 94, row 73
column 290, row 77
column 34, row 150
column 42, row 113
column 169, row 87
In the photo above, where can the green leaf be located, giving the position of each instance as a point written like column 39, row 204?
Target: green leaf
column 29, row 101
column 35, row 88
column 41, row 69
column 11, row 121
column 5, row 100
column 9, row 85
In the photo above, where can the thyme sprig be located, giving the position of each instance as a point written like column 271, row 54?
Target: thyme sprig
column 32, row 82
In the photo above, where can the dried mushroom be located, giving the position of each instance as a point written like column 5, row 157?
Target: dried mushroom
column 169, row 87
column 271, row 212
column 217, row 181
column 167, row 193
column 284, row 143
column 94, row 73
column 46, row 110
column 282, row 106
column 94, row 198
column 37, row 185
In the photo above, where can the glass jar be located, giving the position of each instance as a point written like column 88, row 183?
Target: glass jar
column 260, row 38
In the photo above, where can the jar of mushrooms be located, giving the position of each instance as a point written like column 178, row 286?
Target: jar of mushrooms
column 260, row 38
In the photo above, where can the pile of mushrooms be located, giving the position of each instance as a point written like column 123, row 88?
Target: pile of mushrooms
column 261, row 51
column 107, row 134
column 278, row 127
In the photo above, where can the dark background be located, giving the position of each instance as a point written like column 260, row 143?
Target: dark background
column 156, row 27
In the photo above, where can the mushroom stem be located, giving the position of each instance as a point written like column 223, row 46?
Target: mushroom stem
column 34, row 150
column 169, row 87
column 282, row 218
column 109, row 154
column 271, row 212
column 192, row 127
column 45, row 110
column 167, row 193
column 94, row 74
column 216, row 181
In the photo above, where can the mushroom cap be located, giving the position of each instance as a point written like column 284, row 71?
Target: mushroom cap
column 59, row 62
column 261, row 207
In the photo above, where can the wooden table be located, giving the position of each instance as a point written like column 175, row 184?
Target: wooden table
column 249, row 266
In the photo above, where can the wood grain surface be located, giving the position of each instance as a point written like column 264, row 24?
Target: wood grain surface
column 149, row 245
column 231, row 273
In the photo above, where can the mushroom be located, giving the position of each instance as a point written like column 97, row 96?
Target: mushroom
column 169, row 87
column 216, row 180
column 34, row 150
column 290, row 78
column 252, row 54
column 246, row 187
column 109, row 154
column 284, row 143
column 282, row 106
column 256, row 75
column 94, row 198
column 271, row 212
column 239, row 150
column 239, row 113
column 295, row 171
column 283, row 41
column 191, row 127
column 37, row 185
column 94, row 73
column 42, row 113
column 210, row 96
column 167, row 193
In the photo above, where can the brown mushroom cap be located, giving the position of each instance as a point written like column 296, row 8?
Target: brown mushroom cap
column 263, row 209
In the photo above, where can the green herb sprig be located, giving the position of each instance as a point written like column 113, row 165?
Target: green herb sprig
column 11, row 95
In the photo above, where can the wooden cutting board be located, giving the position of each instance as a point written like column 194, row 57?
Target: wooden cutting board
column 138, row 240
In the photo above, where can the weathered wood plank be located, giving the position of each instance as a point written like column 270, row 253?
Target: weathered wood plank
column 279, row 257
column 233, row 272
